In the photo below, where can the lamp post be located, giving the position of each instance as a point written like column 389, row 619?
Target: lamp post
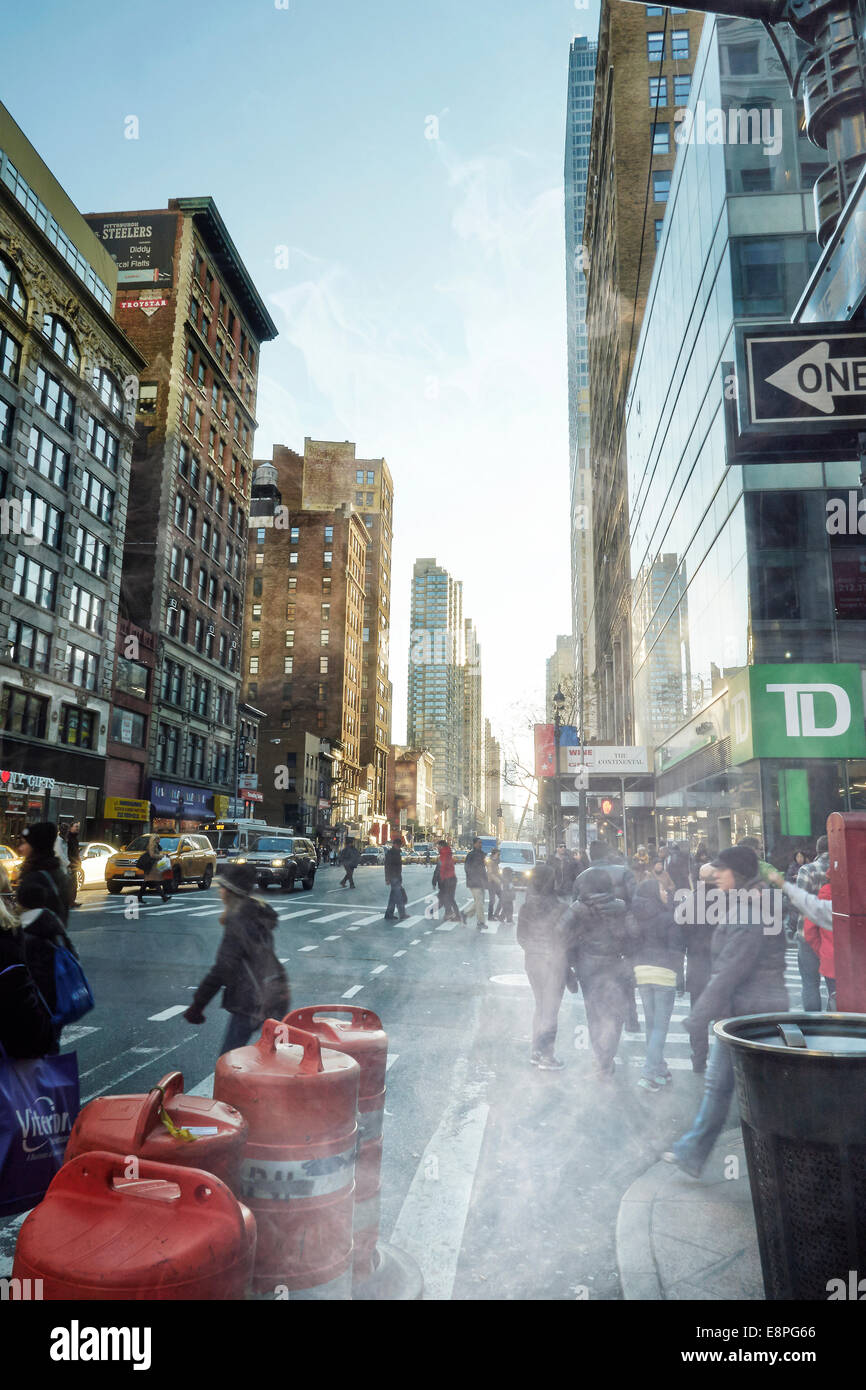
column 558, row 707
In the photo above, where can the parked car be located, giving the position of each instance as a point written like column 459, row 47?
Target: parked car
column 283, row 860
column 411, row 856
column 192, row 859
column 372, row 855
column 11, row 863
column 94, row 857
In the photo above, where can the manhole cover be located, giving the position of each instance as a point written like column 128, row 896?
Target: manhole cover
column 519, row 980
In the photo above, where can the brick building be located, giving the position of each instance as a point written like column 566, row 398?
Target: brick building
column 127, row 808
column 66, row 438
column 187, row 302
column 411, row 798
column 646, row 55
column 303, row 623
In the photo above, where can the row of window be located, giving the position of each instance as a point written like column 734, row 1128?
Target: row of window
column 225, row 313
column 192, row 691
column 655, row 43
column 181, row 571
column 30, row 646
column 204, row 635
column 196, row 764
column 59, row 403
column 52, row 229
column 658, row 90
column 27, row 715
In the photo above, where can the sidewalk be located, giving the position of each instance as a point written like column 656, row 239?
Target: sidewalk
column 681, row 1239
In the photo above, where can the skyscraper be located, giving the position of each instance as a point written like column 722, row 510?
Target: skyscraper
column 473, row 725
column 435, row 715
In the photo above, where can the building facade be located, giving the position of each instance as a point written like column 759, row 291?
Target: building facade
column 492, row 779
column 66, row 440
column 435, row 713
column 188, row 303
column 646, row 54
column 411, row 799
column 741, row 592
column 473, row 726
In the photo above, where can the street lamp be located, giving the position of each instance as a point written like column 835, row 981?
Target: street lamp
column 558, row 707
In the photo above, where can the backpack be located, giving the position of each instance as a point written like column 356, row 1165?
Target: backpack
column 145, row 862
column 73, row 998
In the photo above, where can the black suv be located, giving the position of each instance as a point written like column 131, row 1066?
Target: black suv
column 283, row 860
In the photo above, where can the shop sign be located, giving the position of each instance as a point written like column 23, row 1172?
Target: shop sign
column 126, row 808
column 248, row 781
column 251, row 796
column 25, row 782
column 621, row 760
column 797, row 711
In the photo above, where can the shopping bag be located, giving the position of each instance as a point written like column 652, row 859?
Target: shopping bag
column 39, row 1103
column 73, row 997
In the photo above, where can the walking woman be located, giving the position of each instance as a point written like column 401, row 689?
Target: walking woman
column 658, row 972
column 602, row 937
column 445, row 880
column 150, row 863
column 26, row 1029
column 254, row 984
column 41, row 863
column 540, row 933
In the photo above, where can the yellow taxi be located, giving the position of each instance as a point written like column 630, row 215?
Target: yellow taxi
column 192, row 859
column 11, row 862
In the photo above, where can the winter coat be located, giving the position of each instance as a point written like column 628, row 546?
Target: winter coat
column 566, row 871
column 541, row 925
column 677, row 865
column 697, row 936
column 246, row 968
column 73, row 848
column 748, row 969
column 476, row 869
column 40, row 938
column 47, row 870
column 661, row 941
column 820, row 938
column 602, row 935
column 445, row 868
column 622, row 878
column 811, row 877
column 350, row 857
column 494, row 876
column 393, row 865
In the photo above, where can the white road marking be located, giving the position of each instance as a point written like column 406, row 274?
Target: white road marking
column 392, row 1057
column 204, row 1088
column 202, row 912
column 399, row 953
column 309, row 948
column 144, row 1050
column 304, row 912
column 675, row 1063
column 76, row 1033
column 332, row 938
column 116, row 1080
column 377, row 969
column 446, row 926
column 353, row 929
column 350, row 993
column 365, row 921
column 416, row 942
column 167, row 1013
column 284, row 960
column 433, row 1217
column 409, row 922
column 332, row 916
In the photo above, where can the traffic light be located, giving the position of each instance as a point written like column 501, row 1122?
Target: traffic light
column 605, row 807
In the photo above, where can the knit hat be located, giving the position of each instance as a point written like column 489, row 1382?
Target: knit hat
column 40, row 836
column 742, row 860
column 240, row 879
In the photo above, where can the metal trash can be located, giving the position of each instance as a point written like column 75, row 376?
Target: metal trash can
column 801, row 1086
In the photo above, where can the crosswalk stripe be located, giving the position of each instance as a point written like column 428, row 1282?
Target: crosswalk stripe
column 167, row 1013
column 309, row 948
column 365, row 921
column 332, row 916
column 350, row 993
column 408, row 922
column 76, row 1033
column 304, row 912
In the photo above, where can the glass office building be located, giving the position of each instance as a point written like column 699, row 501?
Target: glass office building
column 748, row 616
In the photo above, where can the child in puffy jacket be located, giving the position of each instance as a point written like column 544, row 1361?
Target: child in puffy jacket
column 820, row 938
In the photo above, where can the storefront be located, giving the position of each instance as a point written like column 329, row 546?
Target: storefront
column 47, row 783
column 181, row 808
column 124, row 818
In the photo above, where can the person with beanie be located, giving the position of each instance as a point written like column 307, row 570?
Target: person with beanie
column 40, row 862
column 254, row 984
column 394, row 881
column 602, row 937
column 748, row 977
column 42, row 930
column 540, row 933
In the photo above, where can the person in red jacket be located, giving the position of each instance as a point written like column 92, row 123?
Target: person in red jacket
column 820, row 938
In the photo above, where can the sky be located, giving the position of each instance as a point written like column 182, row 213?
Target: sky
column 392, row 176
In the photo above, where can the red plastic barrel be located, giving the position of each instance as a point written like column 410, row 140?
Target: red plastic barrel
column 363, row 1038
column 299, row 1100
column 171, row 1233
column 131, row 1126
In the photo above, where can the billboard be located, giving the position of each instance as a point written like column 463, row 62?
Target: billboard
column 141, row 247
column 545, row 747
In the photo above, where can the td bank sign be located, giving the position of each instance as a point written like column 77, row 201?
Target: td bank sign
column 801, row 711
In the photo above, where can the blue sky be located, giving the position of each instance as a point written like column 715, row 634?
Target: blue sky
column 422, row 311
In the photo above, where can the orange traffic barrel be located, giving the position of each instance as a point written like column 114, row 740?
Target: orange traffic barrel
column 168, row 1233
column 166, row 1126
column 360, row 1036
column 298, row 1171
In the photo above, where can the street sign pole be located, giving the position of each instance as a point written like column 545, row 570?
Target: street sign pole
column 581, row 808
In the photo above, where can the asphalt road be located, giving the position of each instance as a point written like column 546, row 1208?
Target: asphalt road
column 502, row 1181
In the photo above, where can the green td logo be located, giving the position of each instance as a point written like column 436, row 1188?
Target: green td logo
column 797, row 711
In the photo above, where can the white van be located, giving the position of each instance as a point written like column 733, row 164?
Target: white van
column 519, row 857
column 231, row 838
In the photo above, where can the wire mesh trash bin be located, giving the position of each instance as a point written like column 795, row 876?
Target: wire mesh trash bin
column 801, row 1086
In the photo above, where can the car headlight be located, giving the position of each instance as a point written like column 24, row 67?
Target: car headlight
column 277, row 863
column 240, row 861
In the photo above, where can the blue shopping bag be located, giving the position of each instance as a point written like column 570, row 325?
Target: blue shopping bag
column 39, row 1103
column 72, row 992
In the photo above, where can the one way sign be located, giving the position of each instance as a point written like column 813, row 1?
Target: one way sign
column 794, row 376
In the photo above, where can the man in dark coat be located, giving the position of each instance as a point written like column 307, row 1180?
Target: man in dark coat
column 350, row 859
column 539, row 932
column 254, row 984
column 394, row 879
column 602, row 938
column 41, row 930
column 40, row 862
column 622, row 878
column 566, row 869
column 476, row 881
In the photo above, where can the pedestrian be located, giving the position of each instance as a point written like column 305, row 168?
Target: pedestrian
column 350, row 859
column 73, row 850
column 581, row 859
column 817, row 919
column 602, row 856
column 602, row 934
column 26, row 1028
column 42, row 931
column 640, row 864
column 152, row 863
column 508, row 896
column 677, row 864
column 791, row 915
column 540, row 932
column 701, row 857
column 37, row 849
column 697, row 937
column 494, row 886
column 254, row 984
column 394, row 878
column 658, row 972
column 811, row 878
column 565, row 871
column 445, row 881
column 475, row 868
column 748, row 977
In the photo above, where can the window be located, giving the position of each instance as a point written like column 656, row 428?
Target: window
column 212, row 587
column 655, row 46
column 183, row 624
column 48, row 458
column 205, row 535
column 260, row 559
column 682, row 89
column 127, row 727
column 226, row 601
column 190, row 359
column 659, row 223
column 327, row 558
column 34, row 582
column 257, row 587
column 218, row 499
column 757, row 180
column 61, row 341
column 187, row 571
column 288, row 665
column 29, row 646
column 85, row 609
column 202, row 584
column 199, row 699
column 293, row 557
column 323, row 665
column 260, row 535
column 78, row 727
column 102, row 444
column 191, row 519
column 294, row 535
column 42, row 521
column 132, row 677
column 221, row 763
column 172, row 682
column 742, row 59
column 195, row 472
column 11, row 288
column 661, row 137
column 97, row 497
column 54, row 399
column 201, row 374
column 255, row 636
column 26, row 714
column 658, row 91
column 82, row 667
column 109, row 392
column 329, row 535
column 324, row 637
column 91, row 554
column 661, row 185
column 168, row 743
column 254, row 666
column 680, row 44
column 326, row 583
column 359, row 476
column 196, row 753
column 326, row 612
column 293, row 583
column 7, row 415
column 198, row 640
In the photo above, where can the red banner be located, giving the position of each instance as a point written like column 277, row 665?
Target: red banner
column 545, row 750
